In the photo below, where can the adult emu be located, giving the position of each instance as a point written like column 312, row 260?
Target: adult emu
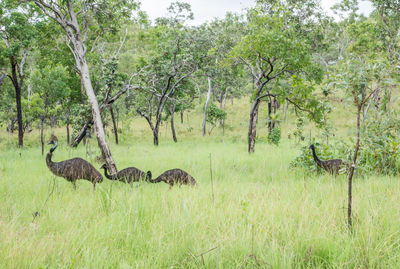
column 72, row 169
column 331, row 166
column 174, row 176
column 127, row 175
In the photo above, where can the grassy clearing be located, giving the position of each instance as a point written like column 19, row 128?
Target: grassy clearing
column 286, row 219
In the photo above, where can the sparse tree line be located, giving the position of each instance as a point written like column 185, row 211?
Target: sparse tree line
column 90, row 64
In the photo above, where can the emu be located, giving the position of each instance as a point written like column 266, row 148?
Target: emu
column 72, row 169
column 174, row 176
column 331, row 166
column 127, row 175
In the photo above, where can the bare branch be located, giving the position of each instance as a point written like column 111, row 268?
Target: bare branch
column 249, row 66
column 148, row 119
column 116, row 54
column 57, row 16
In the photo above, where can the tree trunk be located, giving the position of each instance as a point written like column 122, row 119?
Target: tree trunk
column 181, row 116
column 41, row 133
column 114, row 124
column 53, row 121
column 252, row 125
column 172, row 111
column 221, row 104
column 117, row 117
column 155, row 137
column 206, row 106
column 82, row 92
column 11, row 127
column 286, row 108
column 351, row 173
column 17, row 86
column 98, row 124
column 2, row 78
column 68, row 139
column 269, row 116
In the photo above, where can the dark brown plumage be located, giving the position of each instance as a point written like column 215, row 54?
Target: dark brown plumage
column 72, row 169
column 174, row 176
column 330, row 166
column 127, row 175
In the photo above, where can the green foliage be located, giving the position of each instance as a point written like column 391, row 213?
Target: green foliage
column 379, row 150
column 17, row 31
column 305, row 159
column 214, row 115
column 274, row 136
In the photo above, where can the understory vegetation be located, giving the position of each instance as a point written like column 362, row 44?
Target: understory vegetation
column 263, row 214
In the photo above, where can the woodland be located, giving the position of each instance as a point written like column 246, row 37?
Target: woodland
column 264, row 139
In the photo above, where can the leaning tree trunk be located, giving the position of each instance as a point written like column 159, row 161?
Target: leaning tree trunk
column 252, row 125
column 73, row 31
column 172, row 111
column 114, row 124
column 206, row 106
column 98, row 124
column 17, row 86
column 351, row 173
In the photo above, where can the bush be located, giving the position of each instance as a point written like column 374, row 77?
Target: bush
column 379, row 149
column 274, row 136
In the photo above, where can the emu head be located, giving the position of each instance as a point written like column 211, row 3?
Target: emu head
column 312, row 147
column 104, row 166
column 148, row 176
column 53, row 141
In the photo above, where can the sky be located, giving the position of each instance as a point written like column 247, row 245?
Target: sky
column 206, row 10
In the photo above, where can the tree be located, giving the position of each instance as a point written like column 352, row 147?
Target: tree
column 276, row 49
column 79, row 19
column 224, row 79
column 387, row 14
column 51, row 89
column 172, row 60
column 363, row 74
column 17, row 33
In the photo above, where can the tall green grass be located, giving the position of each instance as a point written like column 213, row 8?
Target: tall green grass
column 263, row 215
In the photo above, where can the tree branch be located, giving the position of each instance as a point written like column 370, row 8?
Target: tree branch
column 300, row 108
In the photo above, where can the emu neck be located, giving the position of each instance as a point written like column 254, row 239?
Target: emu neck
column 106, row 174
column 316, row 159
column 53, row 148
column 49, row 162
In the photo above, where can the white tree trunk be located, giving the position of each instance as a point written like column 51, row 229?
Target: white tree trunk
column 97, row 123
column 206, row 106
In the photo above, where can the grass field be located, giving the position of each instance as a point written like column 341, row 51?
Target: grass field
column 263, row 215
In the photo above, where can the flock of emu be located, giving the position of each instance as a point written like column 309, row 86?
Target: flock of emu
column 78, row 168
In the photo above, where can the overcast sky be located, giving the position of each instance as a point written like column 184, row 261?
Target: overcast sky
column 206, row 10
